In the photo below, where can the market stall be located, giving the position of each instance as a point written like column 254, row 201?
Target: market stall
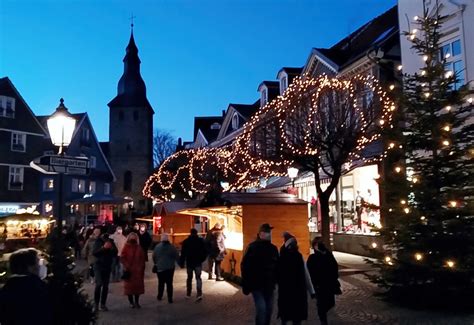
column 243, row 213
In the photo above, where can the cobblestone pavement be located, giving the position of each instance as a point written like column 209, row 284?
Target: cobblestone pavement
column 224, row 303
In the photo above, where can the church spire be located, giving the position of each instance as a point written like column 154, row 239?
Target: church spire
column 131, row 89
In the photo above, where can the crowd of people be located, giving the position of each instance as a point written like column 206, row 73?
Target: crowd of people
column 120, row 255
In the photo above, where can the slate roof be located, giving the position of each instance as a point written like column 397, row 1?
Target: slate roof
column 291, row 70
column 374, row 33
column 204, row 123
column 247, row 110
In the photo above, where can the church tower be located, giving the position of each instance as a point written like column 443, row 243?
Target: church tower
column 131, row 132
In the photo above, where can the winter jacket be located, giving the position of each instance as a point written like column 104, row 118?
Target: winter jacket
column 165, row 256
column 88, row 249
column 292, row 285
column 323, row 268
column 259, row 266
column 193, row 252
column 133, row 260
column 119, row 240
column 216, row 244
column 104, row 256
column 24, row 300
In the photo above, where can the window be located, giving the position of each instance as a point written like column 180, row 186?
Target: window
column 18, row 142
column 106, row 188
column 7, row 107
column 283, row 85
column 78, row 185
column 15, row 178
column 85, row 134
column 215, row 126
column 235, row 121
column 120, row 115
column 452, row 53
column 135, row 115
column 92, row 162
column 92, row 186
column 48, row 184
column 127, row 181
column 264, row 97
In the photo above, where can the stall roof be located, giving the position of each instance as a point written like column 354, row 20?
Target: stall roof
column 105, row 199
column 173, row 206
column 261, row 198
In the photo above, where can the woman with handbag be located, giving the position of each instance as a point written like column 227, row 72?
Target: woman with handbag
column 133, row 260
column 323, row 269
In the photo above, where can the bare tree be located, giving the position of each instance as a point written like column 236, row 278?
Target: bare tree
column 320, row 125
column 164, row 145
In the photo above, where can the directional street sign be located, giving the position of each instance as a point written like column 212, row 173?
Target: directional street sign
column 54, row 164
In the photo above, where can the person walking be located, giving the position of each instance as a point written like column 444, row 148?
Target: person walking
column 165, row 257
column 133, row 261
column 24, row 299
column 323, row 269
column 193, row 254
column 88, row 253
column 105, row 251
column 145, row 240
column 119, row 241
column 259, row 273
column 293, row 283
column 216, row 244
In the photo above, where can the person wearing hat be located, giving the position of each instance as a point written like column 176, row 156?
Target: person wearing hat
column 165, row 256
column 259, row 273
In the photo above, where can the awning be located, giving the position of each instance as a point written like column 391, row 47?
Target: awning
column 100, row 199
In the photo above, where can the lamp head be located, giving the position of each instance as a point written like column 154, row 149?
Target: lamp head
column 61, row 125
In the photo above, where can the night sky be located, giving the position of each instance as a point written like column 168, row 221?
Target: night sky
column 197, row 55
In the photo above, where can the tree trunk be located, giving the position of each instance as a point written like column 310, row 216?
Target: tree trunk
column 325, row 229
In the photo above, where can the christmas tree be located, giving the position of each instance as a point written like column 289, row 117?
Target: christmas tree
column 428, row 256
column 70, row 305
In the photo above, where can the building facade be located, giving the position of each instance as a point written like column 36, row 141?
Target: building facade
column 130, row 149
column 22, row 138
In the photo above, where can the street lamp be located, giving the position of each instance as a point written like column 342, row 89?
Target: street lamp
column 61, row 125
column 292, row 173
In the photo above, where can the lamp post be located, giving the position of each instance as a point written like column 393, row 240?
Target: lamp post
column 61, row 125
column 292, row 173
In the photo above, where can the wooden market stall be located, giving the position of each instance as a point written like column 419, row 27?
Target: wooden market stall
column 243, row 213
column 167, row 220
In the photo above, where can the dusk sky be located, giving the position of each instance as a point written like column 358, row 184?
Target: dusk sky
column 197, row 55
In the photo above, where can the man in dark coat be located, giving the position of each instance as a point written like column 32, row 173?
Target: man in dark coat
column 323, row 269
column 145, row 240
column 24, row 299
column 105, row 252
column 293, row 283
column 259, row 273
column 193, row 254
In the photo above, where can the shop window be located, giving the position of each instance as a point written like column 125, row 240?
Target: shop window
column 127, row 181
column 18, row 142
column 15, row 178
column 7, row 107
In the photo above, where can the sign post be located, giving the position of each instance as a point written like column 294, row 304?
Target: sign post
column 54, row 164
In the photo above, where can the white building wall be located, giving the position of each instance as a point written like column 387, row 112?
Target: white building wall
column 459, row 25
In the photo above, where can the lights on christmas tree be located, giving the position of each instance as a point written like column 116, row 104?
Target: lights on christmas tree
column 418, row 256
column 445, row 142
column 406, row 210
column 450, row 263
column 447, row 128
column 448, row 108
column 425, row 58
column 416, row 18
column 392, row 87
column 448, row 74
column 398, row 169
column 403, row 202
column 399, row 67
column 453, row 204
column 388, row 259
column 427, row 94
column 374, row 245
column 470, row 100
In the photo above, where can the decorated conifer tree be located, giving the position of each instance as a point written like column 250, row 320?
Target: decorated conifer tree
column 428, row 256
column 70, row 305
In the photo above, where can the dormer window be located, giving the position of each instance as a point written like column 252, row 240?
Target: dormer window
column 235, row 121
column 7, row 107
column 264, row 97
column 283, row 84
column 215, row 126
